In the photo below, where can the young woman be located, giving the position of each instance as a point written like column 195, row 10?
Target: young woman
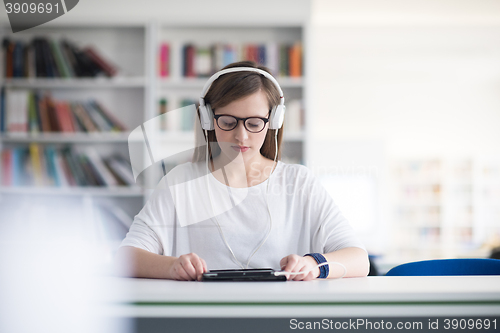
column 236, row 205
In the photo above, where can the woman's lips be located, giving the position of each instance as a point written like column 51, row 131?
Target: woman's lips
column 240, row 148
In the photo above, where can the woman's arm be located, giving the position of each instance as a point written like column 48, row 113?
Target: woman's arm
column 135, row 262
column 354, row 259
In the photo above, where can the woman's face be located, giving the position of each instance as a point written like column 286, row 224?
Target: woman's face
column 240, row 143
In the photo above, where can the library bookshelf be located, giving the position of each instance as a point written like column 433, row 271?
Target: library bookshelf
column 445, row 207
column 134, row 96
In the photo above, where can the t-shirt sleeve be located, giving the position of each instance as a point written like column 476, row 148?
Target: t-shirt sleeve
column 332, row 230
column 152, row 227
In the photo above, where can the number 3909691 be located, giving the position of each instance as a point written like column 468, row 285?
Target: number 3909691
column 32, row 8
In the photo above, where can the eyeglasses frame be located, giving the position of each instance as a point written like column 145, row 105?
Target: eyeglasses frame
column 217, row 116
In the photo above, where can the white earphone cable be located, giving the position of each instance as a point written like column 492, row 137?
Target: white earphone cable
column 211, row 205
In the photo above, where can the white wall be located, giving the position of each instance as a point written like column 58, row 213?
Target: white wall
column 184, row 11
column 400, row 74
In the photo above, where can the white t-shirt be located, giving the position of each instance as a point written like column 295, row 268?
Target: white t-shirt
column 179, row 218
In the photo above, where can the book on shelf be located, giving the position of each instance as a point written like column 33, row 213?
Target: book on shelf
column 47, row 58
column 26, row 111
column 6, row 168
column 283, row 59
column 121, row 169
column 188, row 54
column 162, row 113
column 48, row 166
column 202, row 66
column 164, row 60
column 2, row 110
column 107, row 67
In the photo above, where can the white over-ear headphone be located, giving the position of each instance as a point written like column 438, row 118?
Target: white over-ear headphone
column 207, row 116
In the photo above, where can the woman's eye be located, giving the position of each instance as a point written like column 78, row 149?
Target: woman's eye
column 254, row 123
column 228, row 123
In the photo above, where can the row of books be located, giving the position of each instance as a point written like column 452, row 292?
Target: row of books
column 47, row 166
column 29, row 111
column 283, row 59
column 184, row 121
column 48, row 58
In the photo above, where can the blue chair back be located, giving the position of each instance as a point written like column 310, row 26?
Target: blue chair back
column 447, row 267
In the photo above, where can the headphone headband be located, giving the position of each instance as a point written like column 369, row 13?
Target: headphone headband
column 214, row 77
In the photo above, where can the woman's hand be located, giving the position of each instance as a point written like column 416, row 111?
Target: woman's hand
column 296, row 263
column 188, row 267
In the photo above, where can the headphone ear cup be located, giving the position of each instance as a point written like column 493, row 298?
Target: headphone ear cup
column 277, row 117
column 206, row 117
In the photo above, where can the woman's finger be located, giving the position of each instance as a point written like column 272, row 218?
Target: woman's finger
column 181, row 273
column 205, row 267
column 299, row 268
column 189, row 269
column 198, row 266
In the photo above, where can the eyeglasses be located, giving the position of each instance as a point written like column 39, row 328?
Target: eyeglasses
column 252, row 124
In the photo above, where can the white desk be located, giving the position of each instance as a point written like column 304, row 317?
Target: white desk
column 354, row 297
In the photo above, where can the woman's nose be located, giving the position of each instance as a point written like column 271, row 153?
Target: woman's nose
column 241, row 133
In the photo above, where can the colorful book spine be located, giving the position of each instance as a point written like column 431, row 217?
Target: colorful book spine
column 8, row 49
column 32, row 114
column 2, row 109
column 62, row 66
column 189, row 70
column 295, row 62
column 37, row 164
column 62, row 167
column 16, row 167
column 52, row 115
column 187, row 117
column 83, row 117
column 7, row 167
column 52, row 173
column 105, row 66
column 63, row 117
column 163, row 114
column 164, row 60
column 107, row 177
column 121, row 169
column 18, row 59
column 98, row 119
column 114, row 122
column 44, row 114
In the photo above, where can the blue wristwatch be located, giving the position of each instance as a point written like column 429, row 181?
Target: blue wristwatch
column 323, row 270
